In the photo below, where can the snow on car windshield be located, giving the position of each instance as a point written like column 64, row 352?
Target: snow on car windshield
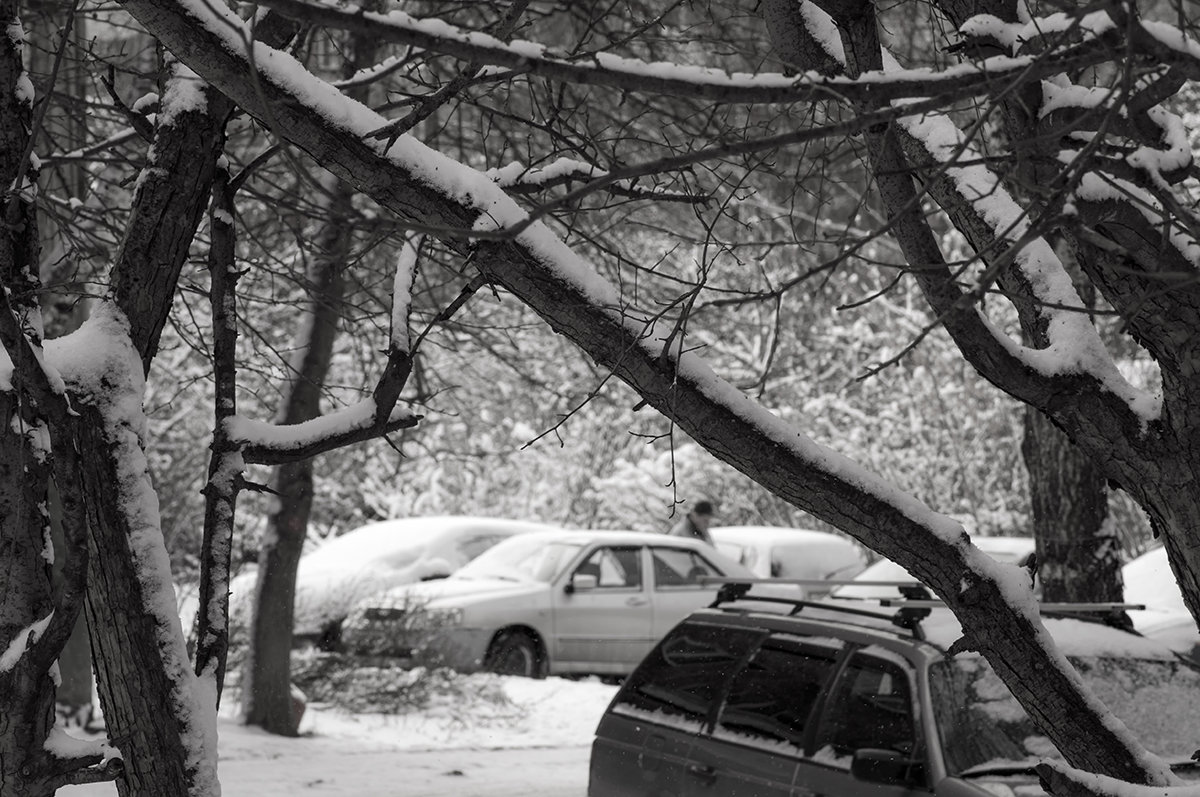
column 525, row 558
column 982, row 725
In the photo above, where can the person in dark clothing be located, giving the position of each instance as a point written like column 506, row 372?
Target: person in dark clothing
column 695, row 523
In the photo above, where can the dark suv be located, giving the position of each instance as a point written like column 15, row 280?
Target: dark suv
column 841, row 702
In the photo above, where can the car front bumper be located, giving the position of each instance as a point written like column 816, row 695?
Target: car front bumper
column 394, row 637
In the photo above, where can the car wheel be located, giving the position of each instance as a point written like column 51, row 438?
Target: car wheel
column 515, row 653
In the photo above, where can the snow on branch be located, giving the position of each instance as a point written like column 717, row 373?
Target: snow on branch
column 628, row 74
column 400, row 339
column 1075, row 345
column 21, row 642
column 271, row 444
column 516, row 178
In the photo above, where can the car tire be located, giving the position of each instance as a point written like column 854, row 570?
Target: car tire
column 515, row 653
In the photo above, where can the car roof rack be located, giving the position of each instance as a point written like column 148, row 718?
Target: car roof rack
column 914, row 606
column 1048, row 607
column 811, row 582
column 1110, row 614
column 906, row 617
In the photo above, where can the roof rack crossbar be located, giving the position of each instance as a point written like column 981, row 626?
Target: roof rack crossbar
column 908, row 618
column 1060, row 608
column 807, row 582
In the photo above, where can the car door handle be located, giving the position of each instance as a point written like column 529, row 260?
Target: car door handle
column 635, row 602
column 706, row 775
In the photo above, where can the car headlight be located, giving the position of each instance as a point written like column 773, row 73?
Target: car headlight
column 445, row 617
column 383, row 614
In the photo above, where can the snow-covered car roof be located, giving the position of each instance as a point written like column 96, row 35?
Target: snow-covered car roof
column 388, row 541
column 1149, row 580
column 372, row 558
column 774, row 551
column 1009, row 550
column 1075, row 638
column 767, row 534
column 618, row 536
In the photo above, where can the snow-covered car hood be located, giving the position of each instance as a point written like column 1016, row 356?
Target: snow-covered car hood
column 449, row 593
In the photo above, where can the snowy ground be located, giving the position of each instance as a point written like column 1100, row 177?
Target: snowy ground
column 535, row 743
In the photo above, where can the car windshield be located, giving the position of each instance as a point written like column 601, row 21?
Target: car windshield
column 522, row 558
column 984, row 730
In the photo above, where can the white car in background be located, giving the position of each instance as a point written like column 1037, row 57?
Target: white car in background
column 786, row 553
column 1149, row 581
column 371, row 559
column 1009, row 550
column 561, row 602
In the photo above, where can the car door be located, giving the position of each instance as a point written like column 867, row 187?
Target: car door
column 767, row 714
column 643, row 742
column 677, row 590
column 868, row 741
column 605, row 627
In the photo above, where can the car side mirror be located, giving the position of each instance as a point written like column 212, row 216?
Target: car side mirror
column 885, row 767
column 582, row 581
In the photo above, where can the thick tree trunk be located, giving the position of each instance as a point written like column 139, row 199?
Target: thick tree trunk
column 1078, row 552
column 267, row 682
column 27, row 689
column 138, row 653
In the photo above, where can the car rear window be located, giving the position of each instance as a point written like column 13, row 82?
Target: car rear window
column 679, row 683
column 871, row 707
column 771, row 699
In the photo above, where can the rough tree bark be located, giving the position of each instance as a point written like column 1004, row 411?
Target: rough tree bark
column 1078, row 552
column 27, row 603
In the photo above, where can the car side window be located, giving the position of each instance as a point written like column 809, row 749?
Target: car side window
column 870, row 708
column 681, row 680
column 772, row 698
column 680, row 567
column 616, row 567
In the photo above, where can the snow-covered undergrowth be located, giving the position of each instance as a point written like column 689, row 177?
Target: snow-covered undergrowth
column 480, row 711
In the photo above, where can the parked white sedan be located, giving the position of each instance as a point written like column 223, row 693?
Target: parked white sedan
column 547, row 603
column 334, row 576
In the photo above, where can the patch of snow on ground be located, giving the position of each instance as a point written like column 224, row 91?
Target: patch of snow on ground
column 534, row 744
column 553, row 712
